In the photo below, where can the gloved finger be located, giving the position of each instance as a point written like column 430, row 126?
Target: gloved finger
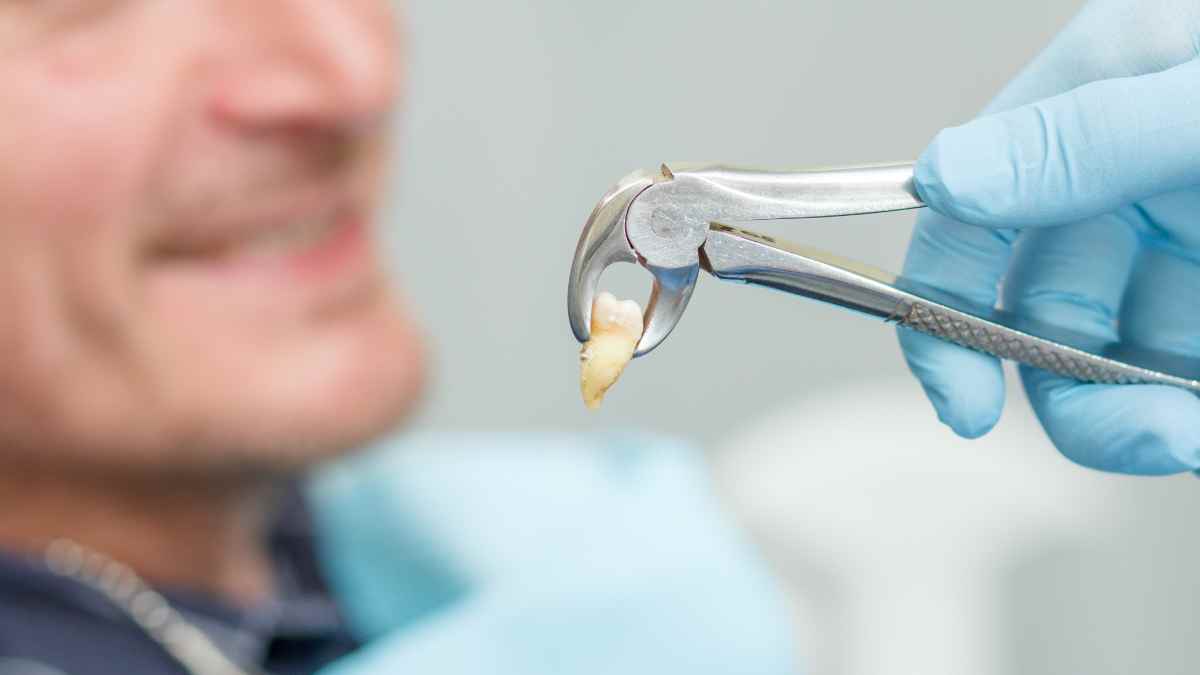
column 1160, row 307
column 1143, row 429
column 1139, row 429
column 1107, row 39
column 1055, row 279
column 965, row 387
column 1138, row 37
column 1089, row 151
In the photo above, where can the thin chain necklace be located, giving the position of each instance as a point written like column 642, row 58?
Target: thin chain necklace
column 147, row 608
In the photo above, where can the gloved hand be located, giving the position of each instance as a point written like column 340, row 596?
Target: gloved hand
column 1080, row 189
column 554, row 554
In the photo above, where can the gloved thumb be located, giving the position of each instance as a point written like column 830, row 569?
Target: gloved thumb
column 1092, row 150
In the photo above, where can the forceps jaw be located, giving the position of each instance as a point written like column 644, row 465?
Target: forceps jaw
column 602, row 243
column 672, row 290
column 607, row 240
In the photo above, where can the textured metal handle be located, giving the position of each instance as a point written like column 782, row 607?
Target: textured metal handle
column 739, row 255
column 986, row 336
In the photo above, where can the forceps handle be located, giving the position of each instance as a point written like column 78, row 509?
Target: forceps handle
column 743, row 194
column 738, row 255
column 1001, row 341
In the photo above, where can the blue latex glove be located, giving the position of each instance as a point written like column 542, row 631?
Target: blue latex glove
column 552, row 554
column 1082, row 176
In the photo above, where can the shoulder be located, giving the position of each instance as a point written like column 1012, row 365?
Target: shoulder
column 602, row 541
column 510, row 476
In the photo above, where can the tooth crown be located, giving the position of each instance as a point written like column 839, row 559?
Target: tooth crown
column 608, row 314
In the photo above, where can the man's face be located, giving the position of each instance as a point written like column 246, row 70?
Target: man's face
column 188, row 277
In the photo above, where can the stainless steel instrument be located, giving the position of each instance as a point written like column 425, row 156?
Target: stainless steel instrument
column 680, row 219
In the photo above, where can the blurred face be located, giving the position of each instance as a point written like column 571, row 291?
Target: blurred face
column 188, row 275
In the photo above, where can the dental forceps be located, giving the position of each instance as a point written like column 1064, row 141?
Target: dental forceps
column 681, row 219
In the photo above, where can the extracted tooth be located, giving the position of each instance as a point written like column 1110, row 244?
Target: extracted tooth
column 616, row 329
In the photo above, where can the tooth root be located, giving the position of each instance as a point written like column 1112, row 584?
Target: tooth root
column 616, row 329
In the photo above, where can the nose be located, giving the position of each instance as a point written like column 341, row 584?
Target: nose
column 326, row 64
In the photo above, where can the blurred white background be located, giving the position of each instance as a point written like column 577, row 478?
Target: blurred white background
column 907, row 550
column 523, row 113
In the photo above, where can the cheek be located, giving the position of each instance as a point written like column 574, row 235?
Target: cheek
column 70, row 181
column 281, row 397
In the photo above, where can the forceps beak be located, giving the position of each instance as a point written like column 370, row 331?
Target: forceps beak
column 660, row 219
column 606, row 241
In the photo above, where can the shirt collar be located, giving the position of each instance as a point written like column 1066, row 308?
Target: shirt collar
column 302, row 608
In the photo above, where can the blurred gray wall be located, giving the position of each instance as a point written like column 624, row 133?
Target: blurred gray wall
column 522, row 113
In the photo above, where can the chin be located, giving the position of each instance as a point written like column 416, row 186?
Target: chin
column 335, row 393
column 372, row 395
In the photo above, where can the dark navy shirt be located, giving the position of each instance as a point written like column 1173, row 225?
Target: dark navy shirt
column 50, row 625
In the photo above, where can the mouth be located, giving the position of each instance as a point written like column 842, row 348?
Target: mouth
column 299, row 246
column 289, row 239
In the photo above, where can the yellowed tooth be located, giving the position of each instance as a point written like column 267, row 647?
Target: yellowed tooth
column 616, row 328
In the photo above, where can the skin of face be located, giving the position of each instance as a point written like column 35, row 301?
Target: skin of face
column 189, row 276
